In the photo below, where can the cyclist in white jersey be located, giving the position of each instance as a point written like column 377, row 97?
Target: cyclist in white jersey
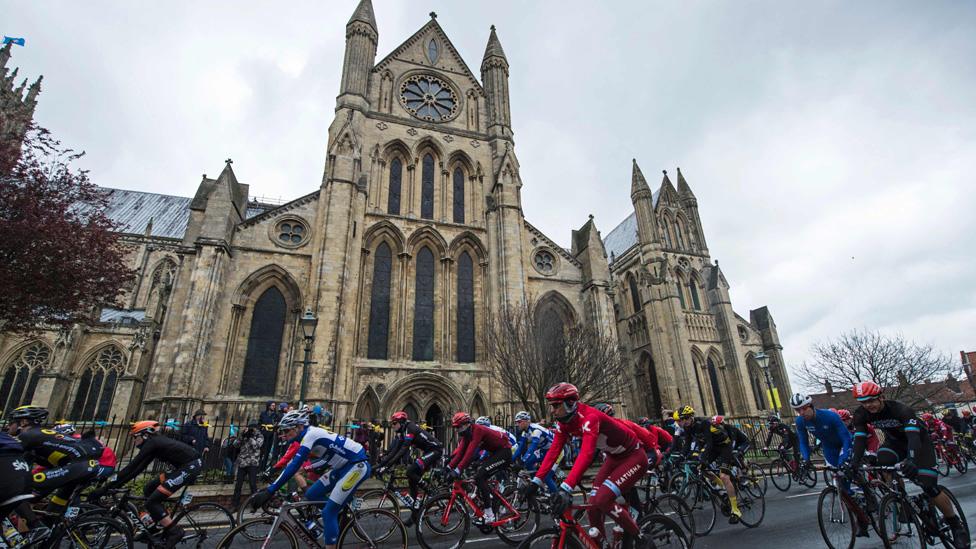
column 346, row 458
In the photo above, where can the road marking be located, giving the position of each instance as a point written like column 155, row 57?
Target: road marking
column 803, row 495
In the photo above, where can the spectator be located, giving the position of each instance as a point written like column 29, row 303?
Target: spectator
column 315, row 419
column 359, row 435
column 375, row 440
column 249, row 445
column 268, row 419
column 196, row 430
column 230, row 447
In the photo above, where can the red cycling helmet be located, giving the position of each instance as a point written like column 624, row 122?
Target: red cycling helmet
column 717, row 420
column 927, row 417
column 845, row 415
column 460, row 418
column 966, row 413
column 567, row 395
column 867, row 390
column 398, row 416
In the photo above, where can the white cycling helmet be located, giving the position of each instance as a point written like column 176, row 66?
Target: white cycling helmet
column 799, row 400
column 483, row 420
column 523, row 416
column 294, row 418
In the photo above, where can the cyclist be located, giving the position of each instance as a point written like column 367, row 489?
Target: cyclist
column 186, row 466
column 534, row 441
column 873, row 442
column 951, row 418
column 938, row 430
column 15, row 485
column 788, row 439
column 485, row 421
column 740, row 441
column 824, row 425
column 106, row 462
column 716, row 447
column 68, row 462
column 408, row 434
column 906, row 442
column 347, row 459
column 664, row 438
column 472, row 439
column 647, row 440
column 624, row 464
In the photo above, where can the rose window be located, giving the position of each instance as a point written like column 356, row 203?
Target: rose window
column 428, row 98
column 291, row 232
column 545, row 262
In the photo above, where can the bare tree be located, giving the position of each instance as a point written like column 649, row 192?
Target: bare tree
column 894, row 362
column 530, row 355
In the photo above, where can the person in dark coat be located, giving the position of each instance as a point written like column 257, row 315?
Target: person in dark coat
column 269, row 419
column 196, row 430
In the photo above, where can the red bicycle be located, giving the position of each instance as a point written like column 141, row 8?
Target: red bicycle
column 446, row 518
column 948, row 455
column 658, row 531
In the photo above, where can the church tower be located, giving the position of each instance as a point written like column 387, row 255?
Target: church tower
column 361, row 40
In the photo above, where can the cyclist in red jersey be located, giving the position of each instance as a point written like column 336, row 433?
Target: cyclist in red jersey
column 664, row 438
column 472, row 438
column 625, row 461
column 647, row 440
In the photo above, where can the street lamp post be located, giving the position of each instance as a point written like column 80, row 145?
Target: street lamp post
column 762, row 359
column 308, row 323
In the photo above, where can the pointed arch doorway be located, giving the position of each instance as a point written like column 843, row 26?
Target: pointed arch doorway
column 435, row 420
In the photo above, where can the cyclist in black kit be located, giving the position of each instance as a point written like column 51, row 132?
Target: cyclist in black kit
column 906, row 442
column 788, row 440
column 186, row 465
column 410, row 434
column 67, row 461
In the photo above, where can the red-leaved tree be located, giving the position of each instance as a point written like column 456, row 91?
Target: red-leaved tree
column 59, row 257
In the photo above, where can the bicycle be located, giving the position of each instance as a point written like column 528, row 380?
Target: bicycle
column 912, row 520
column 297, row 525
column 753, row 470
column 840, row 512
column 667, row 504
column 659, row 531
column 705, row 495
column 784, row 470
column 395, row 498
column 948, row 455
column 201, row 521
column 450, row 514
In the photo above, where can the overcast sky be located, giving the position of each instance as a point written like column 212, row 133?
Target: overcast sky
column 832, row 145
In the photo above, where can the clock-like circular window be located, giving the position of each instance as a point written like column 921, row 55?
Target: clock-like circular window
column 545, row 262
column 429, row 98
column 289, row 232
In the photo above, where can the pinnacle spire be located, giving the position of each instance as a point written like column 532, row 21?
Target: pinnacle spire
column 637, row 181
column 494, row 47
column 364, row 13
column 683, row 188
column 5, row 54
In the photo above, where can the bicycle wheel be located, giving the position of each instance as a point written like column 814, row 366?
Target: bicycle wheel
column 549, row 539
column 944, row 532
column 808, row 477
column 757, row 474
column 899, row 525
column 271, row 508
column 837, row 524
column 959, row 462
column 379, row 498
column 662, row 532
column 253, row 534
column 374, row 529
column 443, row 521
column 752, row 504
column 210, row 522
column 779, row 473
column 942, row 464
column 516, row 531
column 93, row 531
column 703, row 508
column 674, row 508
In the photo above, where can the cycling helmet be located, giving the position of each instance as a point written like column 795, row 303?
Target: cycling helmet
column 605, row 407
column 845, row 415
column 566, row 394
column 144, row 428
column 294, row 418
column 927, row 417
column 66, row 429
column 643, row 421
column 34, row 414
column 799, row 400
column 866, row 390
column 675, row 416
column 717, row 420
column 400, row 416
column 685, row 412
column 773, row 418
column 523, row 416
column 460, row 418
column 483, row 420
column 966, row 413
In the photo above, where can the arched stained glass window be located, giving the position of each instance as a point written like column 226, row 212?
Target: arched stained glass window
column 96, row 387
column 458, row 179
column 693, row 290
column 22, row 375
column 396, row 176
column 716, row 389
column 260, row 376
column 758, row 393
column 679, row 234
column 465, row 309
column 379, row 304
column 663, row 228
column 427, row 188
column 635, row 299
column 423, row 308
column 681, row 293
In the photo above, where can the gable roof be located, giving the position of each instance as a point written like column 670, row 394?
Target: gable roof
column 132, row 210
column 435, row 27
column 920, row 396
column 624, row 235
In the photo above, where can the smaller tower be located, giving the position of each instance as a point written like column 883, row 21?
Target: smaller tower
column 643, row 200
column 690, row 204
column 361, row 40
column 494, row 77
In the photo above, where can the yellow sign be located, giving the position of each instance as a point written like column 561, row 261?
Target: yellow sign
column 774, row 398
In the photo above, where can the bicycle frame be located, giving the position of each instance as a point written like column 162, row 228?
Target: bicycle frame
column 284, row 519
column 458, row 489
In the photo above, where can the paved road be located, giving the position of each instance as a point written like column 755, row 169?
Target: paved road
column 790, row 522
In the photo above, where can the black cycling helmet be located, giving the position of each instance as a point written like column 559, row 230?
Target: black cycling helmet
column 605, row 407
column 34, row 414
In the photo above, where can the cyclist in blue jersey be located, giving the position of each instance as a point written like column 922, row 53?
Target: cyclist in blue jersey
column 346, row 458
column 534, row 441
column 824, row 425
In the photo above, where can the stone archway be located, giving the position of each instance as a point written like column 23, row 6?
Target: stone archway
column 436, row 420
column 434, row 398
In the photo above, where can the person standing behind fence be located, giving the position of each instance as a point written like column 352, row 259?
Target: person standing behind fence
column 196, row 430
column 249, row 456
column 268, row 419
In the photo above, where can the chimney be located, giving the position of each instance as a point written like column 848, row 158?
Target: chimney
column 830, row 388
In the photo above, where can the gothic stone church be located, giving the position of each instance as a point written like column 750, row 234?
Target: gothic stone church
column 415, row 237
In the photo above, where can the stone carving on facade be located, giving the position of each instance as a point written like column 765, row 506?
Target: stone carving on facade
column 654, row 273
column 448, row 138
column 382, row 126
column 475, row 143
column 412, row 132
